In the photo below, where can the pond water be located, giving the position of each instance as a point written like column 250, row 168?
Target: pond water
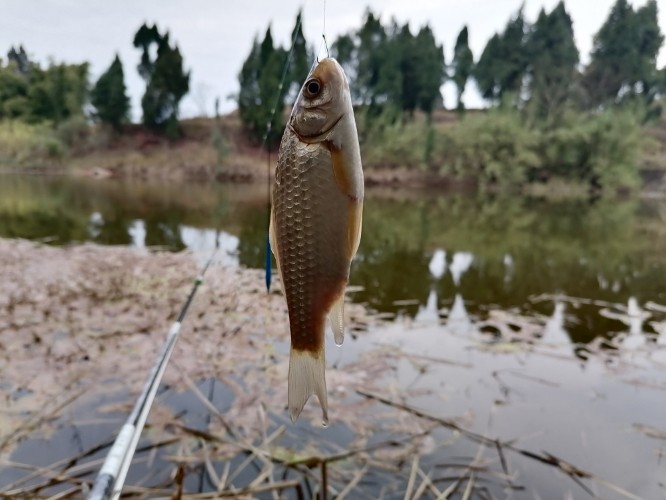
column 458, row 272
column 476, row 250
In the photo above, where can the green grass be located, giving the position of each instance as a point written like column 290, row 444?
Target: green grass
column 27, row 145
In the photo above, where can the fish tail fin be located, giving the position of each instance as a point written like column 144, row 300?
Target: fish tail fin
column 306, row 377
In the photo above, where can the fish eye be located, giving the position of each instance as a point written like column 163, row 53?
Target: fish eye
column 312, row 87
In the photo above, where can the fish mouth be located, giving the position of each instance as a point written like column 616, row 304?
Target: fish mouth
column 317, row 136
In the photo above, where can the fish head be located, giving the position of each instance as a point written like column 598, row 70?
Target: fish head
column 323, row 101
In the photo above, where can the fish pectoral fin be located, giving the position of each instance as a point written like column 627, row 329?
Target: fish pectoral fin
column 347, row 181
column 337, row 318
column 306, row 377
column 354, row 225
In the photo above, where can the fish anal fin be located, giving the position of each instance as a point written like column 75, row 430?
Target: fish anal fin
column 306, row 377
column 337, row 319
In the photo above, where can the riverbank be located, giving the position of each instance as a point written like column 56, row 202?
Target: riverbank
column 492, row 150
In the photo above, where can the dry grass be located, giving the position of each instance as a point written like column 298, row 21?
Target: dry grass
column 88, row 316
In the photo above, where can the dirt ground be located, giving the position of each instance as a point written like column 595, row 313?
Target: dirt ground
column 90, row 318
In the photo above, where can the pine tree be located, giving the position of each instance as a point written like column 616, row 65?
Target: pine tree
column 260, row 100
column 462, row 65
column 430, row 69
column 371, row 53
column 301, row 58
column 144, row 38
column 487, row 71
column 166, row 80
column 649, row 39
column 390, row 69
column 514, row 55
column 21, row 60
column 109, row 96
column 502, row 66
column 553, row 60
column 623, row 58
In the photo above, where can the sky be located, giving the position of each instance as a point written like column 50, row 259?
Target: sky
column 215, row 36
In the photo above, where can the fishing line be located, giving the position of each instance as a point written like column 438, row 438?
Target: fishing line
column 109, row 482
column 323, row 31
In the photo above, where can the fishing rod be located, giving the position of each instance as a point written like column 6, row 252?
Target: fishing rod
column 111, row 477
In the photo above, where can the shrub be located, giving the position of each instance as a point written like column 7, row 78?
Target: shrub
column 23, row 144
column 388, row 142
column 494, row 147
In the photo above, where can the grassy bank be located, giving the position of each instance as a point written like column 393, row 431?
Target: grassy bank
column 499, row 148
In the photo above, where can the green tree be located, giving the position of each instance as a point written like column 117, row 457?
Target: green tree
column 20, row 59
column 344, row 50
column 261, row 97
column 430, row 69
column 167, row 82
column 390, row 69
column 58, row 93
column 462, row 64
column 649, row 39
column 109, row 96
column 299, row 65
column 553, row 60
column 514, row 54
column 487, row 69
column 624, row 53
column 370, row 57
column 144, row 38
column 14, row 85
column 503, row 64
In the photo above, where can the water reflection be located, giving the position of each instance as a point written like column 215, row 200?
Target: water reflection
column 458, row 321
column 418, row 253
column 428, row 314
column 632, row 317
column 208, row 239
column 554, row 332
column 137, row 231
column 437, row 264
column 460, row 264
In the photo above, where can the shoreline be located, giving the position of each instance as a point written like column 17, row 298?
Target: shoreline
column 140, row 154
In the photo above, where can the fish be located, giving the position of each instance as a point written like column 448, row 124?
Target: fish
column 315, row 223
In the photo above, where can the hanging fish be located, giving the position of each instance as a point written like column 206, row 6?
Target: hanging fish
column 315, row 225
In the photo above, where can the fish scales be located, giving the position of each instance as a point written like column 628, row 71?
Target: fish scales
column 311, row 240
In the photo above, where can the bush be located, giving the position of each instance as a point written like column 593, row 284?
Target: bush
column 600, row 150
column 23, row 144
column 494, row 147
column 221, row 144
column 388, row 142
column 74, row 132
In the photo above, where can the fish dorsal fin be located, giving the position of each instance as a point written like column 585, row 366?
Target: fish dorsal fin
column 337, row 318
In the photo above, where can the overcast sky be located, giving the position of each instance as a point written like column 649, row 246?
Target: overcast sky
column 215, row 36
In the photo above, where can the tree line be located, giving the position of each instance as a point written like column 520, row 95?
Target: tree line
column 531, row 66
column 61, row 92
